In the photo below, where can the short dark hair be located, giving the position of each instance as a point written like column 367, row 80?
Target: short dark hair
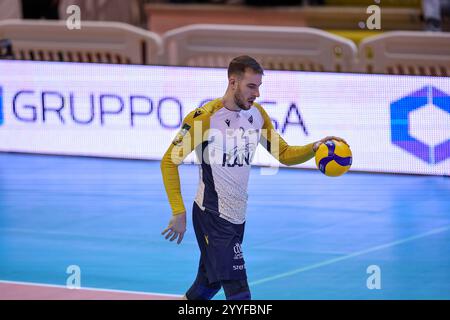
column 239, row 64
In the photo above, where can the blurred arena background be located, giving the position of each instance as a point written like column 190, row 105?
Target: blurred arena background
column 93, row 91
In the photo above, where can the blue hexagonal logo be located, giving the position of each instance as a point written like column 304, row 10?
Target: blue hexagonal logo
column 401, row 126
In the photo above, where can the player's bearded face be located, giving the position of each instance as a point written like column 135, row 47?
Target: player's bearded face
column 247, row 90
column 240, row 100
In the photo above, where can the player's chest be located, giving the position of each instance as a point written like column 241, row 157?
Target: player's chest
column 234, row 131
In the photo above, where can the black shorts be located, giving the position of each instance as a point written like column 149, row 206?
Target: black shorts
column 220, row 244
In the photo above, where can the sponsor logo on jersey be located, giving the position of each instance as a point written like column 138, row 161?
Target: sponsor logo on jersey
column 180, row 135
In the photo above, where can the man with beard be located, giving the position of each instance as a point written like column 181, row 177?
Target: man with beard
column 224, row 133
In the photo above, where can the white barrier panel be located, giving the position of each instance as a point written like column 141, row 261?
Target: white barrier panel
column 398, row 124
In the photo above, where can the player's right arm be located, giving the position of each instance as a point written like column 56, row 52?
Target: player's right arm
column 190, row 136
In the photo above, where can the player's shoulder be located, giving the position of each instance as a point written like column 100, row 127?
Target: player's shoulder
column 261, row 110
column 258, row 106
column 205, row 111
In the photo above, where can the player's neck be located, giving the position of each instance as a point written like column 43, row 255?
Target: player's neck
column 228, row 102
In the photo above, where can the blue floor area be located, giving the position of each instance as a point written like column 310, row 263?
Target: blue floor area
column 307, row 236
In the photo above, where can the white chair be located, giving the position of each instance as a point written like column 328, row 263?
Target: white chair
column 281, row 48
column 406, row 52
column 107, row 42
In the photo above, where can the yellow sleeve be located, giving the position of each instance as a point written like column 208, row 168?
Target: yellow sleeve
column 190, row 136
column 278, row 148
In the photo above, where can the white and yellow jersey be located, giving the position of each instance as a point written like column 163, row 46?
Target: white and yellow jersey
column 225, row 142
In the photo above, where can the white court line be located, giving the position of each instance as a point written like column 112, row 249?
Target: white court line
column 89, row 289
column 355, row 254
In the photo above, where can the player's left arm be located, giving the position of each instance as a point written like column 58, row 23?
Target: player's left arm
column 281, row 150
column 319, row 142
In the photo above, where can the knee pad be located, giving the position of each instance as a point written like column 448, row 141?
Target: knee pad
column 236, row 289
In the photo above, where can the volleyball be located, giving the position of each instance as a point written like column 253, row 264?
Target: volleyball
column 333, row 158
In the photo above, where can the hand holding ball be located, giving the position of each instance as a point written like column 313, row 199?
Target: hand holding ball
column 333, row 158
